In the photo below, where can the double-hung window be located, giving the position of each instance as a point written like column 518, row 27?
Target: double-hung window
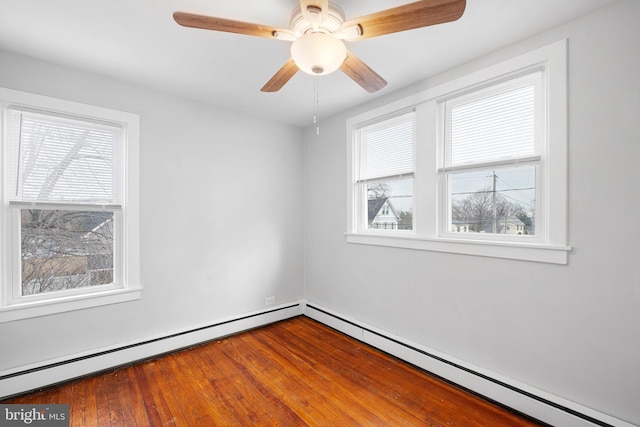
column 488, row 173
column 492, row 149
column 68, row 229
column 384, row 181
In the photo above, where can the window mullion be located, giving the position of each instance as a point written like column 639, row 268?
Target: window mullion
column 425, row 183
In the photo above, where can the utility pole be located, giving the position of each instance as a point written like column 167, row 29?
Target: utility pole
column 494, row 224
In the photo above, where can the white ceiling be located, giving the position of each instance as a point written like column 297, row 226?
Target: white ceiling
column 138, row 41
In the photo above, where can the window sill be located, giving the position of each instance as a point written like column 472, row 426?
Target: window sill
column 507, row 250
column 64, row 304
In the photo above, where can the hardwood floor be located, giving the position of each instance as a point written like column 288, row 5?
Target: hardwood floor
column 292, row 373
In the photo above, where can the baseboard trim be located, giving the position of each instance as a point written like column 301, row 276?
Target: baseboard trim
column 27, row 378
column 536, row 403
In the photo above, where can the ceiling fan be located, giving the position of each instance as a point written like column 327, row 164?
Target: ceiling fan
column 318, row 29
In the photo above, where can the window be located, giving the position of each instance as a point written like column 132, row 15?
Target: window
column 69, row 222
column 489, row 164
column 492, row 158
column 385, row 174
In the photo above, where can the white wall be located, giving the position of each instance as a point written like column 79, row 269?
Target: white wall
column 572, row 331
column 221, row 217
column 222, row 228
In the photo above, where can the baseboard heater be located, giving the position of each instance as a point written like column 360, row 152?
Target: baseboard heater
column 37, row 376
column 550, row 409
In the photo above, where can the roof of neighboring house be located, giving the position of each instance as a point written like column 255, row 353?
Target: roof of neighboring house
column 459, row 221
column 376, row 204
column 514, row 220
column 95, row 220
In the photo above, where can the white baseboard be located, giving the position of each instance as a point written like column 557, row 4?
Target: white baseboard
column 32, row 377
column 528, row 400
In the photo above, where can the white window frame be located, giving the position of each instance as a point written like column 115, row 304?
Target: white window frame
column 361, row 209
column 551, row 245
column 537, row 159
column 127, row 286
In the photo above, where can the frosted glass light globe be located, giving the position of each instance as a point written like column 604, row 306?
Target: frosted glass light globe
column 318, row 53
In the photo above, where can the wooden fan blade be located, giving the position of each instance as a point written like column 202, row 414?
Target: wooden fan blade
column 281, row 77
column 227, row 25
column 408, row 17
column 362, row 74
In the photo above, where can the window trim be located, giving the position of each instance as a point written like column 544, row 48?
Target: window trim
column 554, row 248
column 129, row 254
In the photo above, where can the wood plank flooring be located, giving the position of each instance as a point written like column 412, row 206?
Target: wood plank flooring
column 293, row 373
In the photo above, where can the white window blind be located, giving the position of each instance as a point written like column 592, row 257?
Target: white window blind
column 493, row 125
column 388, row 148
column 61, row 159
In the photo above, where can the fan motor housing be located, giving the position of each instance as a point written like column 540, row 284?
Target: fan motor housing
column 300, row 25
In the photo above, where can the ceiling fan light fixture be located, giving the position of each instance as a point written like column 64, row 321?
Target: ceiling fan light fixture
column 318, row 53
column 318, row 27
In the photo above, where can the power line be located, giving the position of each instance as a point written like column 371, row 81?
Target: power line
column 520, row 201
column 491, row 191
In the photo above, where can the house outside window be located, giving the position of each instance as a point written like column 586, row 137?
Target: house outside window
column 382, row 214
column 69, row 217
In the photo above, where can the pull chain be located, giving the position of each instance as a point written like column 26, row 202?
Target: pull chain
column 316, row 102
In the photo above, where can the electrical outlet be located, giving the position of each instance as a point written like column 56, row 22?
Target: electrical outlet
column 270, row 300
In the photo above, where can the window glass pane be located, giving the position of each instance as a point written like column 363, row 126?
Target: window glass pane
column 390, row 205
column 65, row 249
column 60, row 159
column 500, row 201
column 496, row 124
column 388, row 147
